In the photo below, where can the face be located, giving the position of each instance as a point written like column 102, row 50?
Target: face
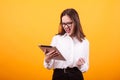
column 68, row 25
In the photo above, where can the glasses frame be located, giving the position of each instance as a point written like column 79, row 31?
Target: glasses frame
column 69, row 24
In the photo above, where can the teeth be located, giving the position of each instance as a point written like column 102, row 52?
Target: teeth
column 68, row 30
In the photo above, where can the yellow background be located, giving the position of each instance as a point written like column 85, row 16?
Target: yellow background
column 24, row 24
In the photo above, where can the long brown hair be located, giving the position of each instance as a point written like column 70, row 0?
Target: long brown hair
column 78, row 32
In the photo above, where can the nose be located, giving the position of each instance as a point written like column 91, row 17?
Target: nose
column 66, row 26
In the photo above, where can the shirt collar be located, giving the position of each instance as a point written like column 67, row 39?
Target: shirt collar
column 66, row 35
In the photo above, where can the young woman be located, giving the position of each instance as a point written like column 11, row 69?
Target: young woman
column 73, row 45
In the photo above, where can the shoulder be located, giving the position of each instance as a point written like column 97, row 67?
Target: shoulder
column 86, row 41
column 56, row 36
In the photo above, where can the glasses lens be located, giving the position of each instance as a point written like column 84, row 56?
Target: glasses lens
column 69, row 24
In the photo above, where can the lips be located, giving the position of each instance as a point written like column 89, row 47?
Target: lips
column 68, row 30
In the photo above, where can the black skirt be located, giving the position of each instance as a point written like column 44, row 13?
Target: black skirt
column 67, row 74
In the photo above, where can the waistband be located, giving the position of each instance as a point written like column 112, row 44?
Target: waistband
column 66, row 70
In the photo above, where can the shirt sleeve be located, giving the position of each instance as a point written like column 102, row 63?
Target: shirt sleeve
column 50, row 64
column 54, row 41
column 85, row 66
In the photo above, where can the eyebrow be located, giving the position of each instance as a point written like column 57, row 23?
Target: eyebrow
column 67, row 22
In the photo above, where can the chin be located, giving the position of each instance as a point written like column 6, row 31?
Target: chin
column 69, row 34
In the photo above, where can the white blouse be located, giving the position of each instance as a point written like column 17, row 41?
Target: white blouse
column 72, row 50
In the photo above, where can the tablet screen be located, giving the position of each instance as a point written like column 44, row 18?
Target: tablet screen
column 47, row 48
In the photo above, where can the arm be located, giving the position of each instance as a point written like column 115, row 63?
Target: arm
column 48, row 61
column 83, row 63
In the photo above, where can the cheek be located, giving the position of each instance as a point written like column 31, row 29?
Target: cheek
column 63, row 28
column 72, row 29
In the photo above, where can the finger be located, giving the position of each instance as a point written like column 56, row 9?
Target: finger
column 51, row 52
column 79, row 62
column 54, row 54
column 45, row 51
column 82, row 60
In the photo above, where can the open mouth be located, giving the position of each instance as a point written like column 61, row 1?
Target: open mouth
column 67, row 30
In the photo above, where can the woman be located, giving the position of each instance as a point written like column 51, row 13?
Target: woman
column 73, row 45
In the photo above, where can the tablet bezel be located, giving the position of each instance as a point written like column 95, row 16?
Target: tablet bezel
column 51, row 48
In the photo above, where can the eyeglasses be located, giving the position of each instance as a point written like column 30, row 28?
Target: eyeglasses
column 69, row 24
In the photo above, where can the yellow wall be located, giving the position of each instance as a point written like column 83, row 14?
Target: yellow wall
column 24, row 24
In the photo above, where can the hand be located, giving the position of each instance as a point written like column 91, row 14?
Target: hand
column 80, row 62
column 50, row 54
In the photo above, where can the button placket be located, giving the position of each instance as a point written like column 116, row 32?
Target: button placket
column 72, row 51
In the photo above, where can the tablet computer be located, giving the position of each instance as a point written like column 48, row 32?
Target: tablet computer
column 48, row 48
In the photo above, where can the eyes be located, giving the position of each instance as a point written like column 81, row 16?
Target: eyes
column 69, row 24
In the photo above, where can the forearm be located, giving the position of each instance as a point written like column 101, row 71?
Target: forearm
column 49, row 64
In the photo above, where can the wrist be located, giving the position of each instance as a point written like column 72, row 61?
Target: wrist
column 47, row 60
